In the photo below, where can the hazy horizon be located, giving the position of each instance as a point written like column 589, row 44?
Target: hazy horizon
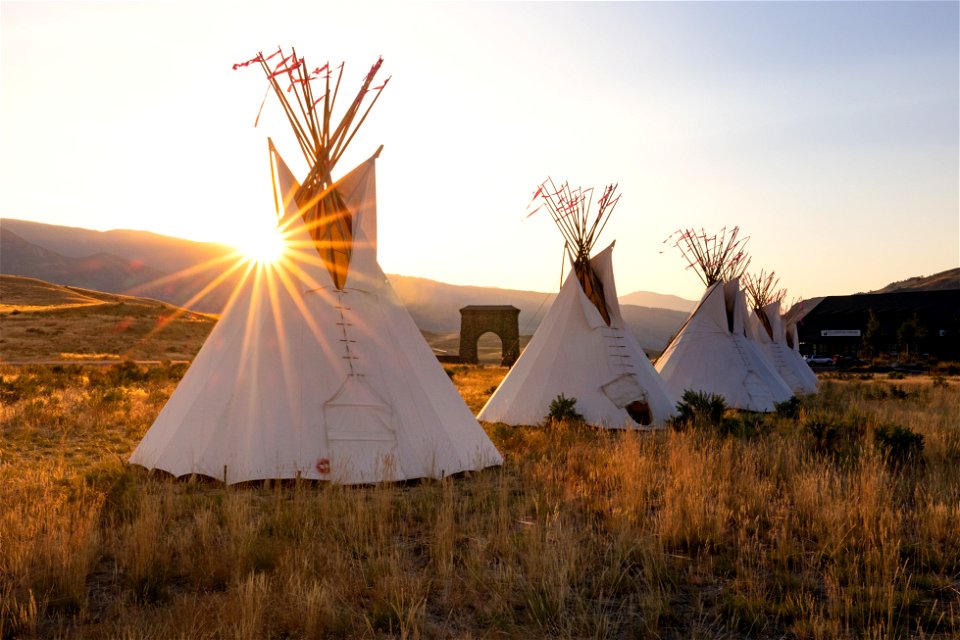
column 438, row 279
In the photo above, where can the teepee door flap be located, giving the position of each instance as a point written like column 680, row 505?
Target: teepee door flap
column 361, row 432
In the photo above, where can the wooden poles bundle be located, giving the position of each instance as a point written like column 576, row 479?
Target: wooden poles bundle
column 323, row 140
column 762, row 290
column 570, row 210
column 717, row 258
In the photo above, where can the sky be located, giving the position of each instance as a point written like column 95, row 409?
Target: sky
column 828, row 132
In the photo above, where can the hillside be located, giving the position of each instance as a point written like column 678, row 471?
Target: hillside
column 945, row 280
column 658, row 301
column 163, row 253
column 177, row 271
column 101, row 271
column 435, row 307
column 40, row 321
column 128, row 262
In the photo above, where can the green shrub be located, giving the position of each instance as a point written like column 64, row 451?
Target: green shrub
column 899, row 393
column 875, row 392
column 563, row 409
column 700, row 407
column 788, row 408
column 10, row 391
column 455, row 370
column 744, row 424
column 825, row 433
column 835, row 437
column 126, row 373
column 900, row 444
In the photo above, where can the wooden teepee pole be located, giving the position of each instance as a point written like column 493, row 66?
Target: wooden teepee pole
column 323, row 209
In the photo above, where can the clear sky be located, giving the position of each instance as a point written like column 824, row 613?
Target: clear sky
column 827, row 131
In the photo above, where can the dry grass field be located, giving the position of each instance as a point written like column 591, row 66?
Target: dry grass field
column 823, row 521
column 45, row 322
column 783, row 526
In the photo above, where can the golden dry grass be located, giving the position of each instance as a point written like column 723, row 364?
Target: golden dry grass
column 50, row 323
column 21, row 293
column 761, row 528
column 43, row 322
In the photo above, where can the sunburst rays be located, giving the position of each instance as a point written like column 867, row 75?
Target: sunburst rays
column 298, row 256
column 273, row 287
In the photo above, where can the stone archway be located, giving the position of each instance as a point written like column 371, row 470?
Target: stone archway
column 502, row 320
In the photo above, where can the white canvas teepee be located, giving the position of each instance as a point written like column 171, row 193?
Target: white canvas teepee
column 300, row 378
column 773, row 340
column 575, row 353
column 582, row 349
column 767, row 329
column 755, row 332
column 712, row 353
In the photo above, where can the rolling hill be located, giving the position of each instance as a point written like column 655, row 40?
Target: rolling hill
column 164, row 253
column 658, row 301
column 435, row 307
column 102, row 271
column 171, row 269
column 943, row 281
column 130, row 262
column 42, row 322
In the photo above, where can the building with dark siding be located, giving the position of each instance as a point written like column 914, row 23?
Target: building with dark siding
column 838, row 325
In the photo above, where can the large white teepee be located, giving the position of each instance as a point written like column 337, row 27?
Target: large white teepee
column 713, row 353
column 301, row 378
column 773, row 340
column 575, row 353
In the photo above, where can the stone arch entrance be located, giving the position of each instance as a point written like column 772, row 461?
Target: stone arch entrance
column 502, row 320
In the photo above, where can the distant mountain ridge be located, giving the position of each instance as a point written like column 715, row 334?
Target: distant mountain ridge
column 125, row 262
column 166, row 268
column 435, row 307
column 658, row 300
column 164, row 253
column 100, row 271
column 143, row 264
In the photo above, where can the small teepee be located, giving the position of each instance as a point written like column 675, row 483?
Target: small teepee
column 769, row 333
column 315, row 369
column 582, row 348
column 713, row 351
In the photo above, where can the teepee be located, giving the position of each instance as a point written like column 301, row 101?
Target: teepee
column 315, row 369
column 713, row 351
column 768, row 331
column 582, row 348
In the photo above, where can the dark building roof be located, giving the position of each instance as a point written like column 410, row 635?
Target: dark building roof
column 938, row 312
column 938, row 302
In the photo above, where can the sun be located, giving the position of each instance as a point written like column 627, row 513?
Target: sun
column 262, row 243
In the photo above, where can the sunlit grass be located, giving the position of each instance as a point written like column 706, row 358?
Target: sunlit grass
column 581, row 533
